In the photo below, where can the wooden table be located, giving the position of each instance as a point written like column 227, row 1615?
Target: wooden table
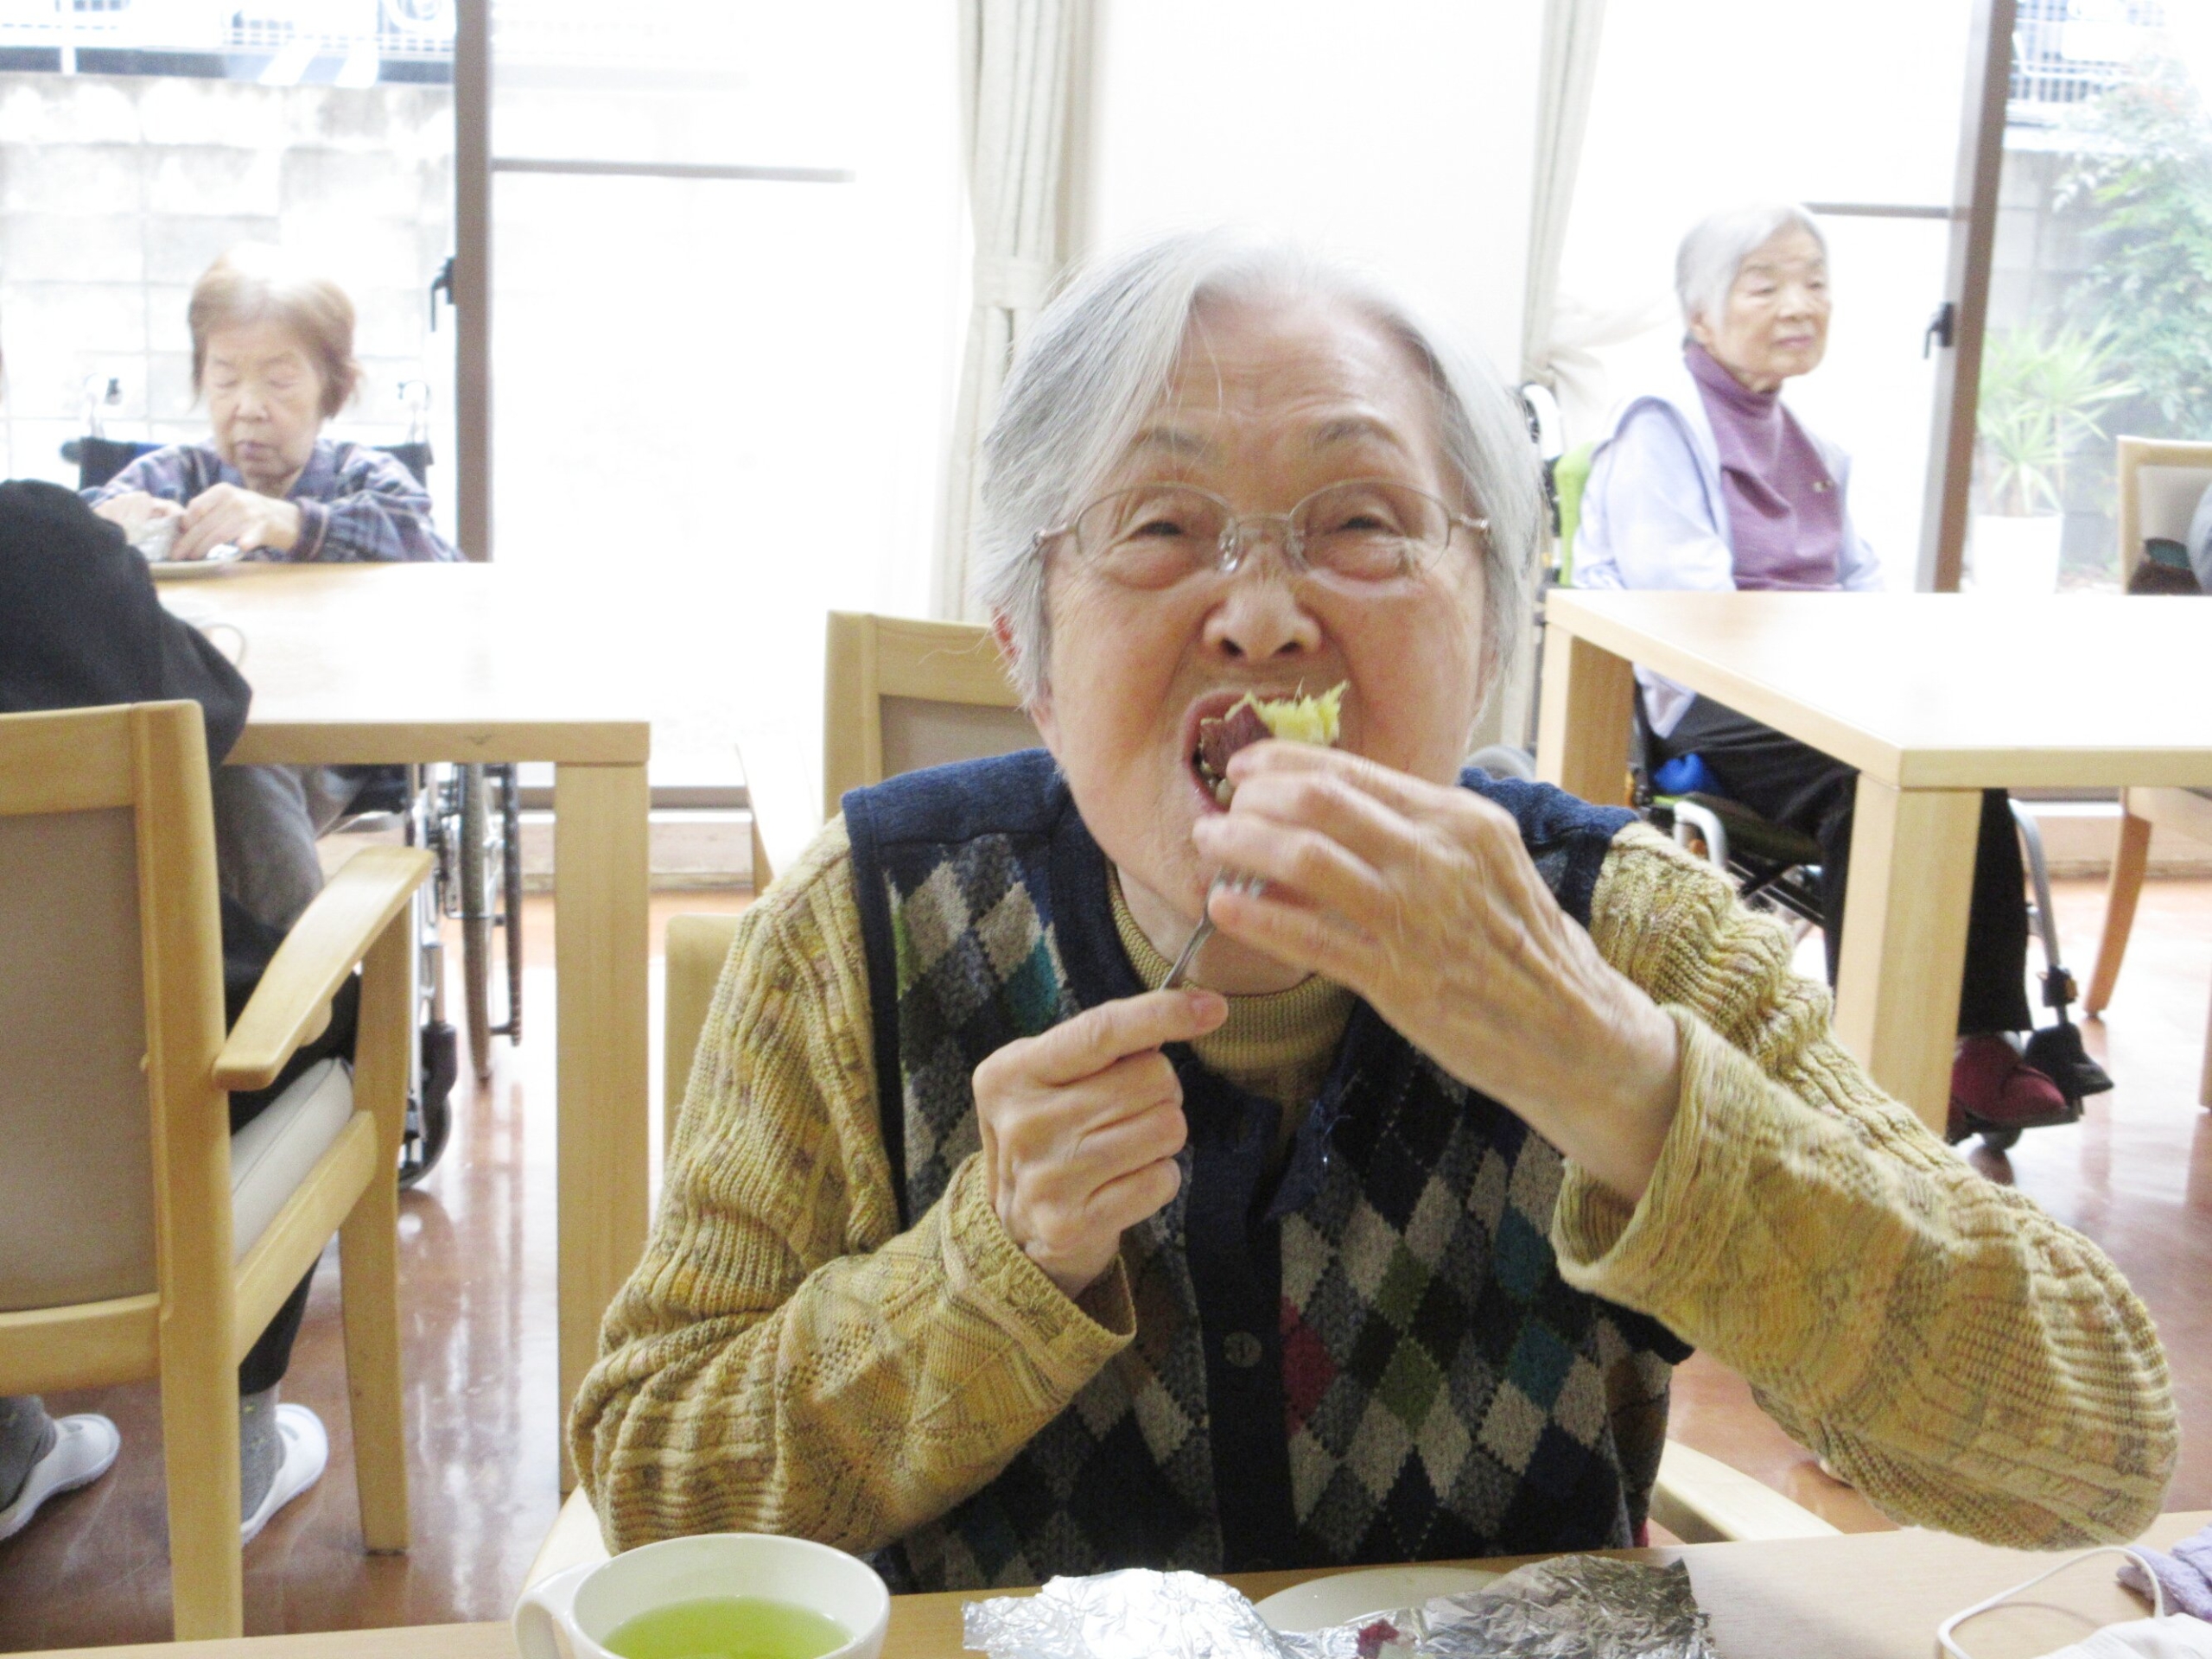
column 1876, row 1595
column 1934, row 698
column 355, row 664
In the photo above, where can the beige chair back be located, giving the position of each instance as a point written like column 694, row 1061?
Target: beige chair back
column 900, row 695
column 72, row 1030
column 2160, row 482
column 102, row 916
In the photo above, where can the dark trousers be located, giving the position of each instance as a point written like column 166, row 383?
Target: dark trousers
column 1801, row 789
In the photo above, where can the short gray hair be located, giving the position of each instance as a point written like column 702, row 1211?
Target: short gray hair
column 1714, row 250
column 1099, row 359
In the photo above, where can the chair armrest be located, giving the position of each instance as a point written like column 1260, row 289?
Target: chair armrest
column 1702, row 1500
column 334, row 933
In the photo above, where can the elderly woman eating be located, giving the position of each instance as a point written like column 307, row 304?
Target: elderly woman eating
column 1379, row 1240
column 1711, row 481
column 272, row 349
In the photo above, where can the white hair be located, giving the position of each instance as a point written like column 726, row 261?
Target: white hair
column 1714, row 250
column 1100, row 358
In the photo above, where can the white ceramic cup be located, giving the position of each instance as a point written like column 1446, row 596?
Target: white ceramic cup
column 587, row 1604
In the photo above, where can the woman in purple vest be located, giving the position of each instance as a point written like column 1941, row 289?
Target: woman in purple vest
column 983, row 1250
column 1711, row 482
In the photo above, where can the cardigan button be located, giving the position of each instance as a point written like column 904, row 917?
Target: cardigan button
column 1241, row 1348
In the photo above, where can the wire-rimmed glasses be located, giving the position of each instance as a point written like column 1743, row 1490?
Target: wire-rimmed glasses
column 1358, row 531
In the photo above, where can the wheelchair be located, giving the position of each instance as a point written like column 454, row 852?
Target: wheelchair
column 1777, row 870
column 468, row 817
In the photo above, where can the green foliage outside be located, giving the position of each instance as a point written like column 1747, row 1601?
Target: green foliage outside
column 2144, row 177
column 2042, row 396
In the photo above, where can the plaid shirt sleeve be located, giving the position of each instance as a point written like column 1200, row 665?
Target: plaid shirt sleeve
column 377, row 513
column 176, row 472
column 374, row 510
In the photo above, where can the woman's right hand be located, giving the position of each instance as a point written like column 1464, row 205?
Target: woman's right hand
column 1081, row 1126
column 136, row 509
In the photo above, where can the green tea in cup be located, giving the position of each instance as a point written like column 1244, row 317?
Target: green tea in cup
column 726, row 1627
column 713, row 1595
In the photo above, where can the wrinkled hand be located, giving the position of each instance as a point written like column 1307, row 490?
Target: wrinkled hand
column 1424, row 900
column 136, row 509
column 1081, row 1126
column 224, row 512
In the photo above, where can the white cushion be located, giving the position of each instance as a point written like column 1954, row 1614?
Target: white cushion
column 271, row 1156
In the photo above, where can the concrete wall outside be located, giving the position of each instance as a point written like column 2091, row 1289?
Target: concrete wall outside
column 116, row 192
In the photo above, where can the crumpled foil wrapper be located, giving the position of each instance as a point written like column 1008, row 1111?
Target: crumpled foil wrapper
column 1133, row 1614
column 1574, row 1607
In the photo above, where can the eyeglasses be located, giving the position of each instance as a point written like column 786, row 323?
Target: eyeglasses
column 1358, row 533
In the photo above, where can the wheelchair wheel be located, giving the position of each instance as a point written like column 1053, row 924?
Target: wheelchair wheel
column 510, row 912
column 429, row 1113
column 476, row 917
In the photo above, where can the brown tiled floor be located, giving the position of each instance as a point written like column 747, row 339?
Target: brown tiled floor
column 477, row 1264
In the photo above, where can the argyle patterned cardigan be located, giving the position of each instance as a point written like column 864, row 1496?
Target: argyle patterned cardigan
column 1376, row 1360
column 1414, row 1341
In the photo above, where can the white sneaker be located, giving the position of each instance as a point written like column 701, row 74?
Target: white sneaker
column 84, row 1449
column 306, row 1453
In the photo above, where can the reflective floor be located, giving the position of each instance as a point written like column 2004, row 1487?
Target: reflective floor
column 478, row 1306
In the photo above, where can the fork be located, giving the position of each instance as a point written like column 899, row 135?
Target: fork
column 1204, row 931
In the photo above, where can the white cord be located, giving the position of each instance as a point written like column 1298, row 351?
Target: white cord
column 2157, row 1594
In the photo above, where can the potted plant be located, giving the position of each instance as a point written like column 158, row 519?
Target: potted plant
column 2040, row 398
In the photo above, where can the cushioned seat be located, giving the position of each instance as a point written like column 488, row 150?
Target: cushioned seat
column 272, row 1155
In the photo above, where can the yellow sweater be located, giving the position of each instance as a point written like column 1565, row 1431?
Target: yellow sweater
column 784, row 1359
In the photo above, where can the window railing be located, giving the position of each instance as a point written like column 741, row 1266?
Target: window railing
column 2068, row 52
column 414, row 30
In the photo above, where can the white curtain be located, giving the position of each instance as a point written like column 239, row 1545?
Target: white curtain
column 1554, row 339
column 1017, row 59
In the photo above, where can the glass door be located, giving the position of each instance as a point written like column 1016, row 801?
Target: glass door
column 1702, row 104
column 141, row 139
column 2098, row 324
column 722, row 244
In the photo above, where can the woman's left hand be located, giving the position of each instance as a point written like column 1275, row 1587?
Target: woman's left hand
column 1424, row 901
column 224, row 512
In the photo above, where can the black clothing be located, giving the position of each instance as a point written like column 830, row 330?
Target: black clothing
column 1789, row 784
column 81, row 627
column 80, row 624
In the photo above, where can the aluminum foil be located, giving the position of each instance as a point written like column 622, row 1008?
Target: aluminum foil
column 1134, row 1614
column 1574, row 1607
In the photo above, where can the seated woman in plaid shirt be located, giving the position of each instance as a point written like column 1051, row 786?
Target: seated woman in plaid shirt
column 272, row 348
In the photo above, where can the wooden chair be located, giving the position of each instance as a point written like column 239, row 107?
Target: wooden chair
column 134, row 1242
column 902, row 695
column 2160, row 482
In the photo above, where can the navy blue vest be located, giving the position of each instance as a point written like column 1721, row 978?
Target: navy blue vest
column 1367, row 1356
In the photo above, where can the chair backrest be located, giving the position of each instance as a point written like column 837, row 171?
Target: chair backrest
column 110, row 1007
column 100, row 459
column 900, row 695
column 2160, row 481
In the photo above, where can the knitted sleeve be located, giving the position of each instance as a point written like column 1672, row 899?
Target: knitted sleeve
column 784, row 1359
column 1967, row 1363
